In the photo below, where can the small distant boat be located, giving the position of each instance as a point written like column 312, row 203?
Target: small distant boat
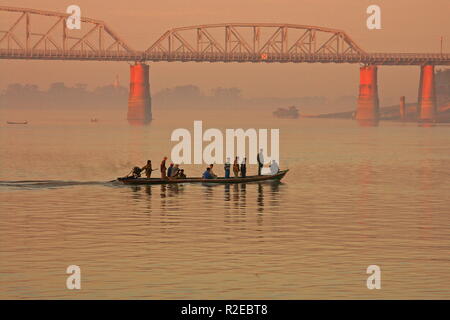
column 130, row 180
column 289, row 113
column 17, row 122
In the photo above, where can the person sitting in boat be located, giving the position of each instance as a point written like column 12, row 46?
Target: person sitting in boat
column 181, row 174
column 175, row 171
column 135, row 173
column 211, row 171
column 148, row 169
column 227, row 167
column 274, row 168
column 236, row 167
column 169, row 170
column 207, row 174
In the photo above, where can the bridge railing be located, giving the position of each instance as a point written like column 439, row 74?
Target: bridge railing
column 114, row 55
column 383, row 58
column 243, row 57
column 71, row 54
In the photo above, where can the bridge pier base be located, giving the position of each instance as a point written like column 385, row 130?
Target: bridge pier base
column 427, row 94
column 139, row 99
column 367, row 112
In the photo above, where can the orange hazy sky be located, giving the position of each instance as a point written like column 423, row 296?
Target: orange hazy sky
column 407, row 26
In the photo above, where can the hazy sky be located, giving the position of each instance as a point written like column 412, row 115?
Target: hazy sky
column 407, row 26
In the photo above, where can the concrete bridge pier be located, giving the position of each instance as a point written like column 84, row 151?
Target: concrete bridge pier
column 427, row 94
column 139, row 99
column 367, row 111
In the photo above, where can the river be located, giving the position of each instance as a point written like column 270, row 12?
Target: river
column 355, row 196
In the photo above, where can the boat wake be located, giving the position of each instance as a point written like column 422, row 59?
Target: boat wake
column 36, row 184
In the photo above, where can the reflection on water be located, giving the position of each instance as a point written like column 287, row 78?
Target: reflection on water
column 139, row 123
column 234, row 195
column 368, row 123
column 353, row 197
column 426, row 124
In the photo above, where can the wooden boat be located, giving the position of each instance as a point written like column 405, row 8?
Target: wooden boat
column 288, row 113
column 17, row 122
column 135, row 181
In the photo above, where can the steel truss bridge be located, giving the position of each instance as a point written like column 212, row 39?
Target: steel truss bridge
column 22, row 36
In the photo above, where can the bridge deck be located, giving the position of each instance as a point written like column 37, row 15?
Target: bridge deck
column 370, row 58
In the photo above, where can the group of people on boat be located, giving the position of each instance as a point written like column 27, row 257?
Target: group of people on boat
column 175, row 172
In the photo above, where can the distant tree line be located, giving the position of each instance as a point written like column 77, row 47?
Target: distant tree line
column 59, row 95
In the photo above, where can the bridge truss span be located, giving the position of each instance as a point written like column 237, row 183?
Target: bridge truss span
column 36, row 34
column 254, row 39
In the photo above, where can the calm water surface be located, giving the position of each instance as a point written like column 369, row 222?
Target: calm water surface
column 354, row 197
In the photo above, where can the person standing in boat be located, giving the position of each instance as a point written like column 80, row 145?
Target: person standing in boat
column 244, row 168
column 163, row 168
column 148, row 169
column 236, row 167
column 227, row 167
column 260, row 159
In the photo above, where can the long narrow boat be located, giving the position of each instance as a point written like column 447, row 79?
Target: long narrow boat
column 134, row 181
column 17, row 122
